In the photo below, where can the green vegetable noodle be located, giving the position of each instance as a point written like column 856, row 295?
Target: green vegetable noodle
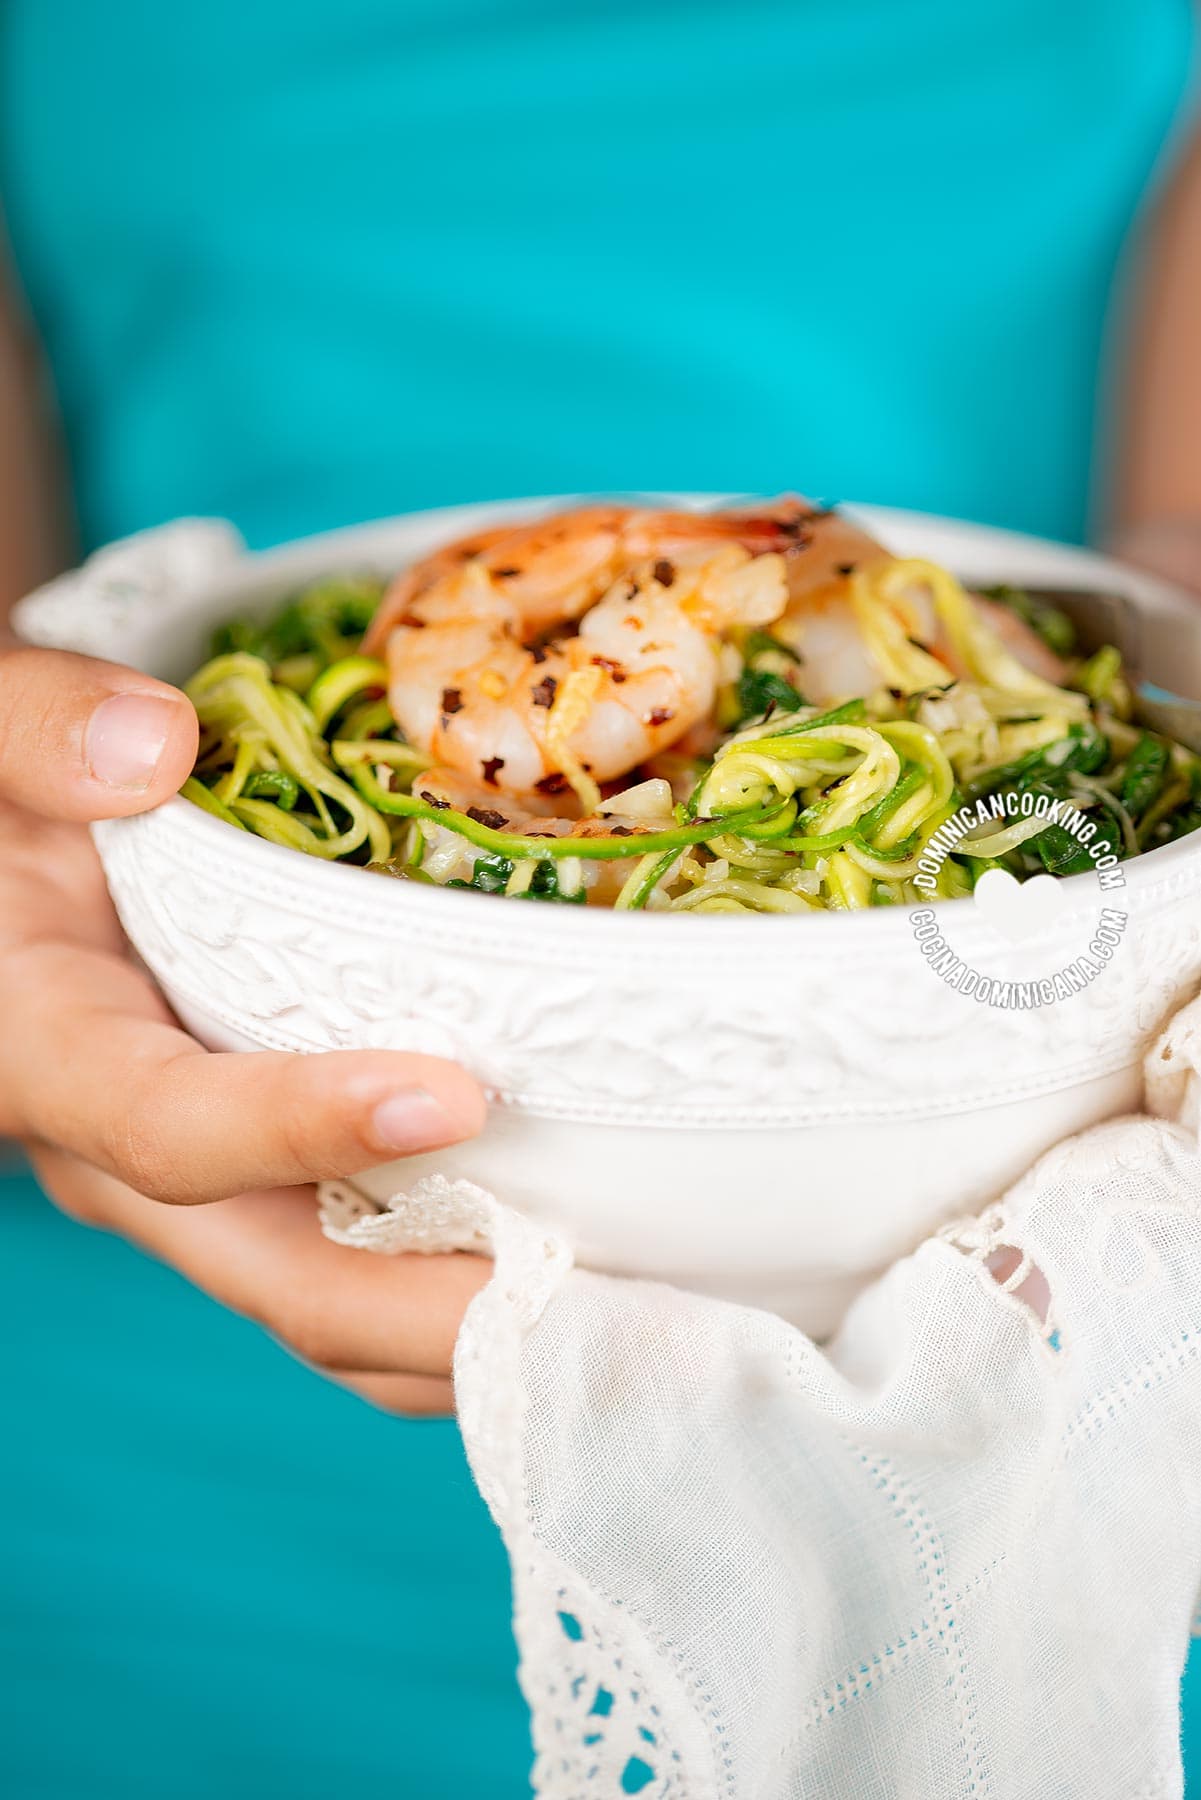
column 774, row 805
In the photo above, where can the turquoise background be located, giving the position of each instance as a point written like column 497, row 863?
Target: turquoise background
column 220, row 1575
column 308, row 263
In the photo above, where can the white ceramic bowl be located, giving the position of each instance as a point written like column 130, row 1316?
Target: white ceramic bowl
column 769, row 1108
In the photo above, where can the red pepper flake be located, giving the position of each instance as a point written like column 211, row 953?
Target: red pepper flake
column 413, row 622
column 634, row 624
column 452, row 699
column 505, row 574
column 847, row 568
column 484, row 815
column 659, row 715
column 551, row 784
column 799, row 526
column 435, row 802
column 543, row 693
column 632, row 589
column 664, row 573
column 490, row 769
column 621, row 831
column 611, row 668
column 537, row 653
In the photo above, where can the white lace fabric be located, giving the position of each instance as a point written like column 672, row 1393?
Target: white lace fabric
column 953, row 1553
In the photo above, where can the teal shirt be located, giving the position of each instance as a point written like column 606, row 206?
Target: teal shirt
column 305, row 264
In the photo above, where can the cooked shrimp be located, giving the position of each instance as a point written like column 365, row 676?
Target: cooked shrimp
column 652, row 593
column 646, row 807
column 821, row 626
column 551, row 571
column 1031, row 651
column 450, row 857
column 639, row 599
column 546, row 573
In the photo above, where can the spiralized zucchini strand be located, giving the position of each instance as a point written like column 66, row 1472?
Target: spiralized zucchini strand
column 236, row 700
column 805, row 807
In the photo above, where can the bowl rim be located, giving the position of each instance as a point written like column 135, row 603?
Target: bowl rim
column 273, row 868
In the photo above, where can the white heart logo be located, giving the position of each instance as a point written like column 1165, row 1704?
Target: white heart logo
column 1019, row 909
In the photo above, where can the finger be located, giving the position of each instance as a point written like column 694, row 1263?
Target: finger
column 82, row 739
column 183, row 1124
column 408, row 1396
column 264, row 1256
column 52, row 885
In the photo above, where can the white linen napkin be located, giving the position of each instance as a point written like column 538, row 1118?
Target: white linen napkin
column 953, row 1553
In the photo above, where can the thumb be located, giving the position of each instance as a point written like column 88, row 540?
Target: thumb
column 83, row 739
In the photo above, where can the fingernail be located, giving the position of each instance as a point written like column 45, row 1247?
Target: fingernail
column 412, row 1120
column 125, row 738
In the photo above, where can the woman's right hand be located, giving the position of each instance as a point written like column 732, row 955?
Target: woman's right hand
column 203, row 1159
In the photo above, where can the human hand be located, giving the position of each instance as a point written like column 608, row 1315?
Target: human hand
column 200, row 1158
column 1169, row 548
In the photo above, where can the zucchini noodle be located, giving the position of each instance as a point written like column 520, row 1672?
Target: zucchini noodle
column 797, row 807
